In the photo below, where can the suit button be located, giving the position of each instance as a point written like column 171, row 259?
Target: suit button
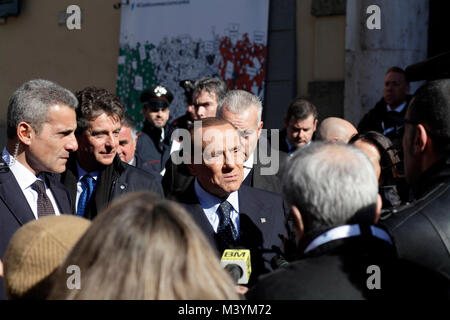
column 122, row 187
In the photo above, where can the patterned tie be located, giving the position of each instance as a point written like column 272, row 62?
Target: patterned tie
column 87, row 183
column 227, row 235
column 44, row 205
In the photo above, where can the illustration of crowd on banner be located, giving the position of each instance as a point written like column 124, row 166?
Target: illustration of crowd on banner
column 233, row 51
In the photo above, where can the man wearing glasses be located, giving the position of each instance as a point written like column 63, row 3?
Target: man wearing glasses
column 421, row 230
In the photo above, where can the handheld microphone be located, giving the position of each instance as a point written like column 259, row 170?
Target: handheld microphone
column 237, row 263
column 278, row 261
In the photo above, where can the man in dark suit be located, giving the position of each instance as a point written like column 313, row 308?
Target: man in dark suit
column 262, row 163
column 300, row 124
column 40, row 136
column 127, row 148
column 230, row 213
column 95, row 176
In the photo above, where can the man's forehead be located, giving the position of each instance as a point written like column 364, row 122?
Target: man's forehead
column 394, row 76
column 206, row 95
column 243, row 121
column 218, row 134
column 300, row 123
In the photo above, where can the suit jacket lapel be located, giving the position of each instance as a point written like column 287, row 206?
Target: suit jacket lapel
column 254, row 217
column 190, row 202
column 13, row 197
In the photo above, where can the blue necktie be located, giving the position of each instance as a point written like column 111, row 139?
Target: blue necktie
column 87, row 183
column 227, row 235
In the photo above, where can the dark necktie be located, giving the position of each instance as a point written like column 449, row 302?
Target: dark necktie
column 87, row 183
column 227, row 235
column 44, row 205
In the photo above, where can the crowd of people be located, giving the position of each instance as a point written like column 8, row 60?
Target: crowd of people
column 92, row 209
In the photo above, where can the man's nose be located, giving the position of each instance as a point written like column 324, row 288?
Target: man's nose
column 72, row 144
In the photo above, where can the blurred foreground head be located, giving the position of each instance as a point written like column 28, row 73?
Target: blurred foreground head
column 35, row 252
column 329, row 185
column 143, row 247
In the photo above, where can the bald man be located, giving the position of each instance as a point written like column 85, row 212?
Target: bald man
column 336, row 130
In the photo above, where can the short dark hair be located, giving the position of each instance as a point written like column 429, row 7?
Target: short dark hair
column 389, row 158
column 95, row 101
column 398, row 70
column 431, row 105
column 301, row 108
column 210, row 85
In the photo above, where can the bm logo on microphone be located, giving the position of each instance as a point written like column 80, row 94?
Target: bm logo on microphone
column 237, row 263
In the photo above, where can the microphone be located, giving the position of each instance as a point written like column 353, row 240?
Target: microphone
column 278, row 261
column 237, row 263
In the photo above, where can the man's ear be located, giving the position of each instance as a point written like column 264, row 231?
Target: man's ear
column 378, row 209
column 259, row 129
column 420, row 139
column 315, row 124
column 25, row 133
column 298, row 222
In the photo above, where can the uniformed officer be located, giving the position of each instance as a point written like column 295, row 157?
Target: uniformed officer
column 153, row 144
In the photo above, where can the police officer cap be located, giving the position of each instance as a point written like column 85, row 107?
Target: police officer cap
column 157, row 97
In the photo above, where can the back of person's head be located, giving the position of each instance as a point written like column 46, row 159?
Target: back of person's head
column 334, row 129
column 210, row 85
column 431, row 105
column 142, row 247
column 94, row 102
column 30, row 103
column 331, row 184
column 300, row 109
column 35, row 252
column 238, row 101
column 389, row 158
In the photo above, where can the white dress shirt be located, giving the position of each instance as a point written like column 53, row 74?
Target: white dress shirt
column 248, row 165
column 210, row 204
column 25, row 178
column 81, row 174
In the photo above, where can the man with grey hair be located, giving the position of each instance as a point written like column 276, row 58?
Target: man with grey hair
column 41, row 125
column 127, row 142
column 335, row 202
column 127, row 147
column 244, row 111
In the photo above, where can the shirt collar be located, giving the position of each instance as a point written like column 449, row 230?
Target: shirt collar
column 211, row 202
column 24, row 177
column 249, row 163
column 82, row 172
column 399, row 109
column 345, row 231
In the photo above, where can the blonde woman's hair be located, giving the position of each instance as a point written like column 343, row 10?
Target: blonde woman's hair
column 142, row 247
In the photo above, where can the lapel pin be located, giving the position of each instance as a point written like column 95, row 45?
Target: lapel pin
column 263, row 220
